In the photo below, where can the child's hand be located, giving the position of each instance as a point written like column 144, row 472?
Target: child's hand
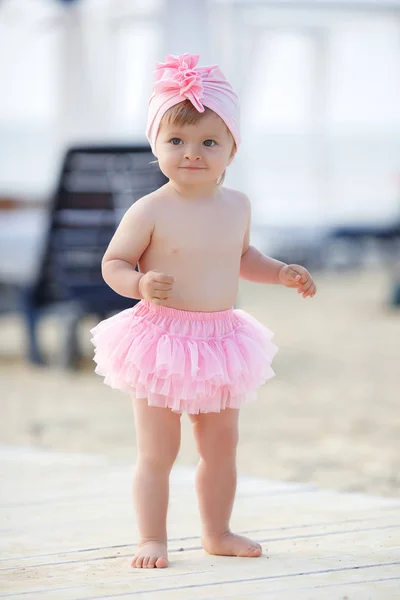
column 156, row 287
column 295, row 276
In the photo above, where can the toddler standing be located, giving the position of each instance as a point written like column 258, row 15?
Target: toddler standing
column 183, row 348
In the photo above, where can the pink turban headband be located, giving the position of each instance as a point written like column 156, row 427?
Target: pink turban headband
column 179, row 79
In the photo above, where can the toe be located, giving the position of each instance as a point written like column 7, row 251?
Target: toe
column 145, row 562
column 133, row 563
column 251, row 550
column 139, row 562
column 152, row 562
column 161, row 563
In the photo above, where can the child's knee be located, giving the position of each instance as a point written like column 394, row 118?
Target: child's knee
column 158, row 461
column 217, row 442
column 160, row 456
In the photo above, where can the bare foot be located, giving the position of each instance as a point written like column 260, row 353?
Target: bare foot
column 151, row 555
column 230, row 544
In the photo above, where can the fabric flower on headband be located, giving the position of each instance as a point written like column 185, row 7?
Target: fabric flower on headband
column 179, row 79
column 179, row 74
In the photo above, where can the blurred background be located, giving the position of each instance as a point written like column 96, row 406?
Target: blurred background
column 319, row 83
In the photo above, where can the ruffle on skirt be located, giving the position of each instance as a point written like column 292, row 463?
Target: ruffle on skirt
column 186, row 361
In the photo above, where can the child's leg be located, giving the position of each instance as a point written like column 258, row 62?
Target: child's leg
column 216, row 437
column 158, row 432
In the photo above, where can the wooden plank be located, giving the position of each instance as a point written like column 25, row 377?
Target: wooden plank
column 216, row 576
column 74, row 538
column 82, row 525
column 380, row 528
column 286, row 557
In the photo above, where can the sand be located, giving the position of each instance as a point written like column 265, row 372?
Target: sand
column 331, row 416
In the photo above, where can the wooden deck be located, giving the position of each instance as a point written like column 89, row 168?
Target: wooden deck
column 68, row 533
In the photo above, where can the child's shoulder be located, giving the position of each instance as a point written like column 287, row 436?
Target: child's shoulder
column 143, row 212
column 237, row 196
column 147, row 203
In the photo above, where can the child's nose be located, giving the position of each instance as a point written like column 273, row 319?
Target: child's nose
column 192, row 153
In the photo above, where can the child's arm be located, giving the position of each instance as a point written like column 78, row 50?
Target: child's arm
column 255, row 266
column 125, row 249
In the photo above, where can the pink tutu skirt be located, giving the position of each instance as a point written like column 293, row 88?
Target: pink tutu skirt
column 187, row 361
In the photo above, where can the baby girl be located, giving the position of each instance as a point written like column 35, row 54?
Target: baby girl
column 183, row 347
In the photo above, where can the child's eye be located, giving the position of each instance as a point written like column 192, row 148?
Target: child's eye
column 175, row 141
column 209, row 143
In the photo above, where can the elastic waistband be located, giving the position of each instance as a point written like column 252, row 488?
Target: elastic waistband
column 187, row 315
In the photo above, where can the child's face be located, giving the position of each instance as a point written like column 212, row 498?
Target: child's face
column 195, row 154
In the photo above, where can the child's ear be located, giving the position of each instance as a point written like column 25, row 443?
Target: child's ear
column 233, row 154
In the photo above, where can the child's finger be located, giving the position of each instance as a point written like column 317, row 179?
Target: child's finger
column 304, row 290
column 161, row 287
column 305, row 278
column 307, row 287
column 160, row 295
column 161, row 278
column 312, row 291
column 294, row 276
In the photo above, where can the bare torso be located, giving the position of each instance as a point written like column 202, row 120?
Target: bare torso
column 199, row 242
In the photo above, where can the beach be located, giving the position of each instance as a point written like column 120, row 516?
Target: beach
column 330, row 417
